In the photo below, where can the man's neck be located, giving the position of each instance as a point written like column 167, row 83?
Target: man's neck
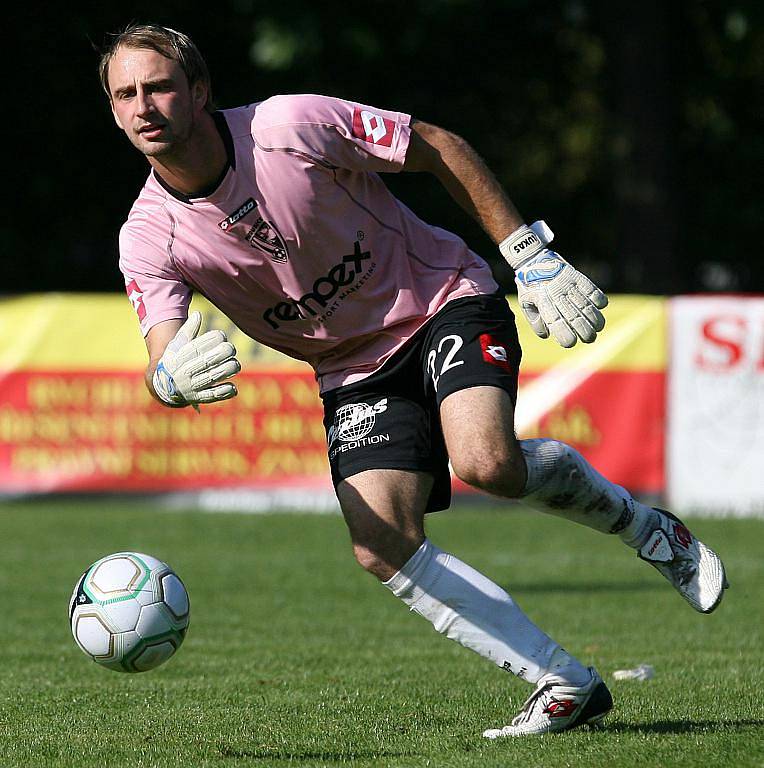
column 198, row 164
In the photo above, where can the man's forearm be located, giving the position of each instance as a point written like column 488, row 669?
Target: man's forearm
column 465, row 176
column 554, row 296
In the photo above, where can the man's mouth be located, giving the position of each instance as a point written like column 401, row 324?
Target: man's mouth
column 151, row 131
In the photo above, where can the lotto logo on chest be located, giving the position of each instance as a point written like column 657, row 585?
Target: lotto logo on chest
column 248, row 225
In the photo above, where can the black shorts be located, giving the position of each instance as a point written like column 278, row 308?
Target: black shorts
column 390, row 420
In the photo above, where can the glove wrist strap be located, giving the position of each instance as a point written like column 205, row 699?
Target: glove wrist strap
column 525, row 242
column 164, row 387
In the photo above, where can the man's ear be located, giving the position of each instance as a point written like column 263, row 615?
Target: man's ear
column 199, row 94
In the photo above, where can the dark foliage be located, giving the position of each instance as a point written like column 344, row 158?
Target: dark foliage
column 634, row 129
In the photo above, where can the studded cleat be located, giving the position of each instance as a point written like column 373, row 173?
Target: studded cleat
column 557, row 706
column 695, row 571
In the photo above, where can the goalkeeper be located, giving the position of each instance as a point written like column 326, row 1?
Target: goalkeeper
column 275, row 212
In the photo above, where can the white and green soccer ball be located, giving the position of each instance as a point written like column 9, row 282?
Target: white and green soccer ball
column 129, row 612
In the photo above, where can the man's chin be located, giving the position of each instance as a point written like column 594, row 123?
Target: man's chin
column 151, row 148
column 156, row 148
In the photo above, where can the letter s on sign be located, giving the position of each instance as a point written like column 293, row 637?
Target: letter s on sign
column 722, row 340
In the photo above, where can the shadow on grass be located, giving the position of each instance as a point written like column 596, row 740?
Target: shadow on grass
column 570, row 587
column 297, row 755
column 684, row 726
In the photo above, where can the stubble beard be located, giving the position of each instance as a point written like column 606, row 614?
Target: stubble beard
column 174, row 146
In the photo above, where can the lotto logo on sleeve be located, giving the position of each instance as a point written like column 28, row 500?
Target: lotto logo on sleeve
column 372, row 128
column 494, row 352
column 135, row 294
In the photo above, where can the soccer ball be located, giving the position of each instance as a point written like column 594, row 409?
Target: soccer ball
column 129, row 612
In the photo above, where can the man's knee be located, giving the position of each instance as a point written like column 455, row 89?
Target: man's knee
column 383, row 557
column 373, row 561
column 496, row 469
column 384, row 511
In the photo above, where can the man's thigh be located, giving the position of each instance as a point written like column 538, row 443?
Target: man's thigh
column 478, row 426
column 473, row 359
column 384, row 510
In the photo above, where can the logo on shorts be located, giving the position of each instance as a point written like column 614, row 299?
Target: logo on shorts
column 494, row 352
column 355, row 420
column 135, row 294
column 352, row 424
column 372, row 128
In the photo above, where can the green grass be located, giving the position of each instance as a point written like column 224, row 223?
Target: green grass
column 296, row 657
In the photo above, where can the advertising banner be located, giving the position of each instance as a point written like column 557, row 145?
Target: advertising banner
column 605, row 399
column 716, row 401
column 75, row 414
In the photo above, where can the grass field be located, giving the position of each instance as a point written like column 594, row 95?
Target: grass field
column 296, row 657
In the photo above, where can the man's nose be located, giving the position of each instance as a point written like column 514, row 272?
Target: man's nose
column 145, row 103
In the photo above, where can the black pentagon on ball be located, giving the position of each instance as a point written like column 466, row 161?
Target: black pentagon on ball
column 163, row 595
column 79, row 597
column 173, row 637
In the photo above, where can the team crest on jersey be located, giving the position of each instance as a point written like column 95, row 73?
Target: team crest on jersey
column 262, row 234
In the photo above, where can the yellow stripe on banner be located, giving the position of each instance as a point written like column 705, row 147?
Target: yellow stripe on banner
column 634, row 339
column 68, row 332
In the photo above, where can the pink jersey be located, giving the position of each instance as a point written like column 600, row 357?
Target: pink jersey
column 301, row 244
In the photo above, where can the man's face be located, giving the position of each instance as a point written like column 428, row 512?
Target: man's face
column 152, row 101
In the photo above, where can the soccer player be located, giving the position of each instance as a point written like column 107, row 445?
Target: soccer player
column 274, row 211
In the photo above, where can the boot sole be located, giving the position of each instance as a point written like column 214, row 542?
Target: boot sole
column 725, row 582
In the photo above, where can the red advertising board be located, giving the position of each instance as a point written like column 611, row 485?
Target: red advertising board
column 75, row 415
column 93, row 431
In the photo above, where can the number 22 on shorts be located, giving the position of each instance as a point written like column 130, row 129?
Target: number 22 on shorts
column 456, row 343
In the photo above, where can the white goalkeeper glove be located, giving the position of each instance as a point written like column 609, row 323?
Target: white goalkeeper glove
column 554, row 297
column 191, row 369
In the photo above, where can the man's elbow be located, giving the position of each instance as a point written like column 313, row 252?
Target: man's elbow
column 423, row 153
column 428, row 146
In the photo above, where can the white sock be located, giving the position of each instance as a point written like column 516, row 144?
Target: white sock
column 465, row 606
column 561, row 482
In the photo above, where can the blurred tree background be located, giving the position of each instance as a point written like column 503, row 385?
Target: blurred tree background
column 633, row 128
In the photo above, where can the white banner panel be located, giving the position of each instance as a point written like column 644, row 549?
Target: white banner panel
column 716, row 405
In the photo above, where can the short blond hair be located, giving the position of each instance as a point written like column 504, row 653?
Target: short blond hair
column 169, row 43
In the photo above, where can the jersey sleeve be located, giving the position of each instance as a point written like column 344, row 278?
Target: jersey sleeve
column 154, row 287
column 333, row 132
